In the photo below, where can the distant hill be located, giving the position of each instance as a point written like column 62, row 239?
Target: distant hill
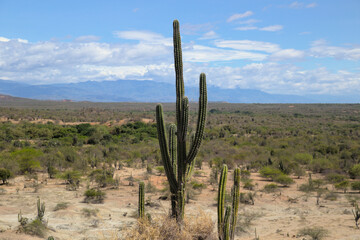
column 148, row 91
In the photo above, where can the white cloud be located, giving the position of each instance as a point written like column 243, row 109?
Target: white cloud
column 272, row 28
column 87, row 38
column 209, row 35
column 320, row 48
column 239, row 15
column 249, row 21
column 287, row 54
column 296, row 4
column 50, row 62
column 3, row 39
column 198, row 53
column 248, row 45
column 311, row 5
column 144, row 36
column 300, row 5
column 195, row 29
column 247, row 28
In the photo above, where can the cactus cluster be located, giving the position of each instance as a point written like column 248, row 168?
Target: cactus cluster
column 178, row 161
column 227, row 220
column 141, row 207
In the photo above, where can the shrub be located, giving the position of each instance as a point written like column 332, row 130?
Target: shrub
column 355, row 186
column 332, row 196
column 72, row 179
column 164, row 228
column 102, row 177
column 248, row 184
column 94, row 196
column 316, row 233
column 5, row 174
column 269, row 188
column 344, row 185
column 335, row 178
column 303, row 158
column 354, row 172
column 320, row 165
column 35, row 227
column 88, row 212
column 61, row 206
column 284, row 180
column 270, row 172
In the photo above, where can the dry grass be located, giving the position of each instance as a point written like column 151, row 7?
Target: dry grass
column 200, row 227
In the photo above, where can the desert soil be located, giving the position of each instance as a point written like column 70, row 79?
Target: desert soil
column 277, row 215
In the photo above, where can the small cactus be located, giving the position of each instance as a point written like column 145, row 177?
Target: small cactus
column 22, row 220
column 227, row 221
column 40, row 209
column 356, row 214
column 141, row 207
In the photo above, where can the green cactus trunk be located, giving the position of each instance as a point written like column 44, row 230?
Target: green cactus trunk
column 227, row 223
column 178, row 162
column 141, row 207
column 40, row 209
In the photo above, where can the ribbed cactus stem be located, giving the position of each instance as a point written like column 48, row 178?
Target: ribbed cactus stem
column 221, row 200
column 226, row 226
column 235, row 202
column 178, row 162
column 40, row 209
column 227, row 222
column 141, row 207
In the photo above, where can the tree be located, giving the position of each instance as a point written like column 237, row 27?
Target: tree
column 28, row 159
column 5, row 174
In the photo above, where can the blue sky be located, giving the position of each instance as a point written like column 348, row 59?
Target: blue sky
column 292, row 47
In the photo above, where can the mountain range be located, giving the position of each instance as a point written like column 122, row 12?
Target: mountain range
column 151, row 91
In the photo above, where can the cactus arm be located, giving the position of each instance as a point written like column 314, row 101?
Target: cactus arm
column 164, row 148
column 201, row 120
column 235, row 202
column 141, row 207
column 221, row 199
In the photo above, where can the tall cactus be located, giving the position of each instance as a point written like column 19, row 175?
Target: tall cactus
column 227, row 223
column 178, row 162
column 141, row 207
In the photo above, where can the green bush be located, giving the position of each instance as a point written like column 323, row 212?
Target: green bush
column 270, row 188
column 355, row 186
column 5, row 174
column 316, row 233
column 270, row 172
column 248, row 184
column 335, row 178
column 72, row 179
column 284, row 180
column 35, row 227
column 320, row 165
column 354, row 172
column 344, row 185
column 303, row 158
column 61, row 206
column 102, row 177
column 94, row 196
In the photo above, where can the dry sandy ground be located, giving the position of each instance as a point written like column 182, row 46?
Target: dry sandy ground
column 277, row 217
